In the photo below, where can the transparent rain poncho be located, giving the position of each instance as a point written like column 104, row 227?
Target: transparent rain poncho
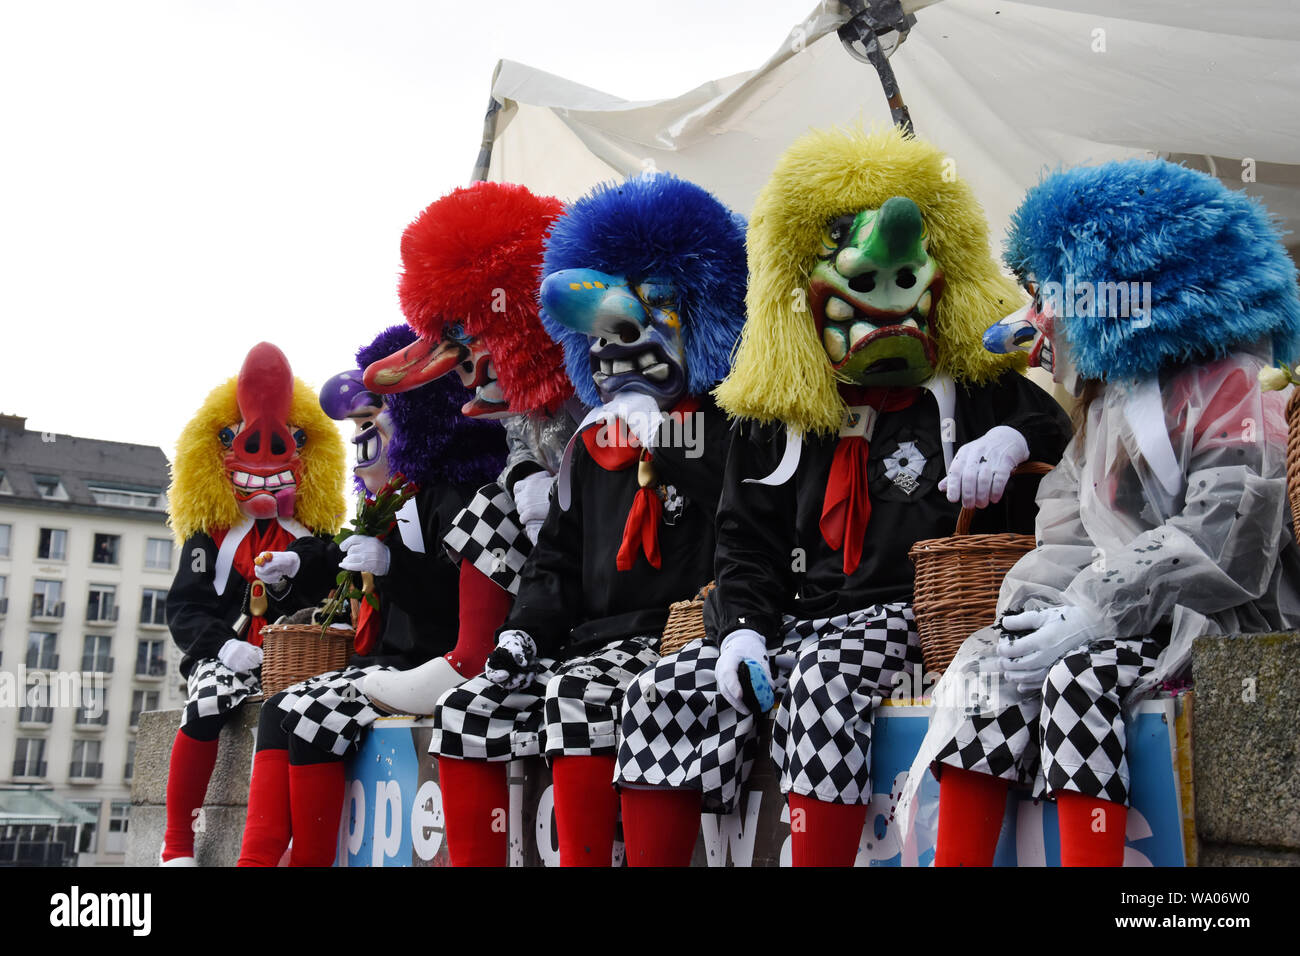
column 1169, row 510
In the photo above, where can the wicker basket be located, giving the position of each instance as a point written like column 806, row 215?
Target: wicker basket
column 685, row 622
column 1293, row 455
column 294, row 652
column 957, row 582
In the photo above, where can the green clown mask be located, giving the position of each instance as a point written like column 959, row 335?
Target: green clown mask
column 873, row 294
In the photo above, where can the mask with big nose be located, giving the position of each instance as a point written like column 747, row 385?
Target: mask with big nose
column 261, row 459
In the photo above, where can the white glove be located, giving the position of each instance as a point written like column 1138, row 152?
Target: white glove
column 364, row 553
column 737, row 647
column 240, row 656
column 1053, row 632
column 980, row 469
column 639, row 411
column 276, row 567
column 513, row 663
column 532, row 494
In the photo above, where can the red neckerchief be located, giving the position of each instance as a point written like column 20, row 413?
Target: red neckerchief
column 274, row 538
column 618, row 450
column 846, row 509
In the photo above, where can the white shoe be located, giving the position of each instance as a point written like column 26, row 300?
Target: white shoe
column 178, row 861
column 412, row 692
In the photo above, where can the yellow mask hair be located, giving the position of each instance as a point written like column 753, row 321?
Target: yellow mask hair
column 200, row 497
column 781, row 371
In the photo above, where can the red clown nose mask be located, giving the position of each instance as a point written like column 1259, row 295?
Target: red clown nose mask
column 262, row 460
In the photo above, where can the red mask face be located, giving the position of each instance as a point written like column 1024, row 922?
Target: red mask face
column 262, row 459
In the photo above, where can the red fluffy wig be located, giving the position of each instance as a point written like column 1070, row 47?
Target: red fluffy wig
column 474, row 258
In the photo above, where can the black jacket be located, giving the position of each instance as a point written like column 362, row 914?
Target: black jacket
column 772, row 559
column 572, row 598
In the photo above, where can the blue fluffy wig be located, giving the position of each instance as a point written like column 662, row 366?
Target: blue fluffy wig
column 432, row 440
column 666, row 228
column 1220, row 278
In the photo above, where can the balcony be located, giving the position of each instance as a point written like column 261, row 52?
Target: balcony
column 153, row 669
column 4, row 606
column 24, row 769
column 42, row 662
column 157, row 620
column 85, row 772
column 102, row 616
column 128, row 771
column 96, row 665
column 43, row 610
column 35, row 716
column 86, row 722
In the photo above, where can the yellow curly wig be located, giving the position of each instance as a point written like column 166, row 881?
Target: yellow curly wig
column 200, row 497
column 781, row 371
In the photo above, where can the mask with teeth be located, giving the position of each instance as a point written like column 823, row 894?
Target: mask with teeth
column 1030, row 330
column 261, row 451
column 635, row 330
column 345, row 398
column 873, row 294
column 425, row 360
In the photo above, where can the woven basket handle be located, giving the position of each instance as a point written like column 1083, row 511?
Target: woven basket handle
column 1028, row 468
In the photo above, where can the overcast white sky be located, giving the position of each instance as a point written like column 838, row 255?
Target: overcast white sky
column 182, row 179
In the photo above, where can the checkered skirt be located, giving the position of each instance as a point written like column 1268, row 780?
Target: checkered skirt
column 568, row 709
column 488, row 534
column 214, row 689
column 329, row 711
column 1069, row 737
column 679, row 731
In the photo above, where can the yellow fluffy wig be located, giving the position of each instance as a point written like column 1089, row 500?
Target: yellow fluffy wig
column 781, row 371
column 200, row 496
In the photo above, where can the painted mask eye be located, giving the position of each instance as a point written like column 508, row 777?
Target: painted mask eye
column 299, row 437
column 837, row 232
column 657, row 295
column 456, row 332
column 227, row 436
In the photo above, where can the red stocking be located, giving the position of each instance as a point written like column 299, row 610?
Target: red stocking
column 825, row 834
column 586, row 809
column 971, row 806
column 1092, row 830
column 187, row 784
column 483, row 608
column 266, row 831
column 315, row 807
column 660, row 825
column 475, row 807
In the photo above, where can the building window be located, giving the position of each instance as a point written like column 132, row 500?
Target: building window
column 49, row 486
column 47, row 598
column 153, row 607
column 151, row 658
column 85, row 760
column 4, row 595
column 29, row 757
column 105, row 549
column 89, row 831
column 122, row 498
column 141, row 701
column 158, row 554
column 129, row 770
column 5, row 487
column 6, row 534
column 101, row 604
column 40, row 651
column 94, row 714
column 40, row 714
column 53, row 545
column 95, row 656
column 119, row 820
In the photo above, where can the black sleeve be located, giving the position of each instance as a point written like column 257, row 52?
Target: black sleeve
column 199, row 619
column 320, row 558
column 690, row 451
column 412, row 573
column 550, row 587
column 756, row 536
column 1034, row 413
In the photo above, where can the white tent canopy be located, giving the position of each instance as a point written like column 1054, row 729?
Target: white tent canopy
column 1009, row 90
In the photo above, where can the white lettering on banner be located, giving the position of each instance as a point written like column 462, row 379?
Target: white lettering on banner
column 357, row 832
column 1029, row 836
column 724, row 836
column 427, row 821
column 549, row 855
column 388, row 821
column 516, row 782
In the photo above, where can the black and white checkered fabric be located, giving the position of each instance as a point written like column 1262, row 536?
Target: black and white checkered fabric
column 329, row 711
column 213, row 688
column 679, row 731
column 569, row 709
column 487, row 533
column 1071, row 737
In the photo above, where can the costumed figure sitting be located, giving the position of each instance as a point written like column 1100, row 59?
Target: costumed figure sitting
column 420, row 598
column 867, row 409
column 471, row 266
column 1158, row 295
column 258, row 467
column 645, row 284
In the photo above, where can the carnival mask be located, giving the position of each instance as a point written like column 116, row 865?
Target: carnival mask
column 261, row 457
column 345, row 398
column 873, row 295
column 425, row 360
column 1031, row 330
column 635, row 328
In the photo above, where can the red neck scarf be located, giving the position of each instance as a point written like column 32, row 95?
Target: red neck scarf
column 846, row 509
column 274, row 538
column 616, row 449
